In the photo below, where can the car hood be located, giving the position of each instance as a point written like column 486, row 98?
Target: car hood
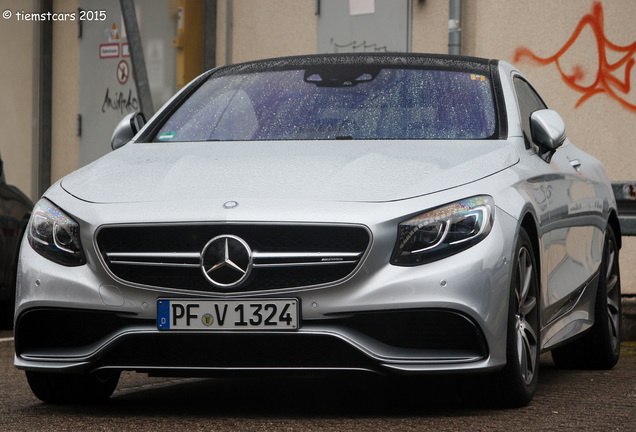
column 343, row 170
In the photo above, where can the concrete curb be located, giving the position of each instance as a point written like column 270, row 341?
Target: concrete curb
column 629, row 318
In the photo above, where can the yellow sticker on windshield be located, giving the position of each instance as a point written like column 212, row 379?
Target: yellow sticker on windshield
column 476, row 77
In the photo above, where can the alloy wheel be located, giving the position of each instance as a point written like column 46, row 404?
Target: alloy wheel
column 526, row 315
column 613, row 294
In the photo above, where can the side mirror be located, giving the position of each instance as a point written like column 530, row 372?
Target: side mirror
column 548, row 131
column 126, row 129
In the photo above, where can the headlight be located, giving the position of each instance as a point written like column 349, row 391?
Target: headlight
column 443, row 231
column 54, row 235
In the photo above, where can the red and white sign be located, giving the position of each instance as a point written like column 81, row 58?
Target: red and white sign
column 123, row 71
column 108, row 51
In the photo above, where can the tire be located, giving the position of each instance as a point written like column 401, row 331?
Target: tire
column 515, row 385
column 60, row 388
column 600, row 347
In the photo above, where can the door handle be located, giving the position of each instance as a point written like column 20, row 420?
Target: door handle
column 576, row 164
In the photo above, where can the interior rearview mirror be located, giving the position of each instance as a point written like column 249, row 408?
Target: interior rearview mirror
column 548, row 132
column 126, row 129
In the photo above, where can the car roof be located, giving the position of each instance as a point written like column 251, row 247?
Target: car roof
column 405, row 60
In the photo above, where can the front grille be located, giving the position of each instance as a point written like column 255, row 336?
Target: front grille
column 284, row 256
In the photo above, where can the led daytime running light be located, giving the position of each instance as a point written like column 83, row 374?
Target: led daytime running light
column 55, row 235
column 443, row 231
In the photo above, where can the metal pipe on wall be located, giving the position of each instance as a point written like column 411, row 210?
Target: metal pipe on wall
column 45, row 99
column 228, row 31
column 209, row 35
column 454, row 27
column 137, row 57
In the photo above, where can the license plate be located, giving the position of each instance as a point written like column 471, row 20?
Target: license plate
column 255, row 314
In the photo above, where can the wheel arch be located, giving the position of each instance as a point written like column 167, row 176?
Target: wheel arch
column 529, row 224
column 616, row 227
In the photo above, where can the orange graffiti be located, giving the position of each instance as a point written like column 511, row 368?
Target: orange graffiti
column 606, row 81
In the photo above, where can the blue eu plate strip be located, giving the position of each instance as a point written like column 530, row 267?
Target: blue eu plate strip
column 163, row 314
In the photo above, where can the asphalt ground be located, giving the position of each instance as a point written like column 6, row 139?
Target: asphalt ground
column 568, row 400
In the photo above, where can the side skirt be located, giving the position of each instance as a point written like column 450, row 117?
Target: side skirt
column 571, row 317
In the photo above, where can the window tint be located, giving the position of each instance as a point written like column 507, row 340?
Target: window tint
column 342, row 102
column 529, row 101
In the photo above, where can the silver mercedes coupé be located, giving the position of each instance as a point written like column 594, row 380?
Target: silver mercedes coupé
column 394, row 214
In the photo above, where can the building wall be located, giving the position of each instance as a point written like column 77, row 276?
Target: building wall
column 66, row 77
column 17, row 117
column 599, row 125
column 16, row 88
column 430, row 27
column 267, row 28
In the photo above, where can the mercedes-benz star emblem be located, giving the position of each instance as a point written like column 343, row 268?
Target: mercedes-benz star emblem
column 226, row 261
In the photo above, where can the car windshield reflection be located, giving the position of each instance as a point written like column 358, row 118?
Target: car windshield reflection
column 336, row 103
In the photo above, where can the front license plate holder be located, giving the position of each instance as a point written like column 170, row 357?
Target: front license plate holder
column 228, row 315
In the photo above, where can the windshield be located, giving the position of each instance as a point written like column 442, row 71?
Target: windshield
column 336, row 102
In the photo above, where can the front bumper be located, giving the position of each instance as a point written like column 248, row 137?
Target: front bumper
column 445, row 316
column 372, row 341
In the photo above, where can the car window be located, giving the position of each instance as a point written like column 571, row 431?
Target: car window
column 529, row 101
column 336, row 103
